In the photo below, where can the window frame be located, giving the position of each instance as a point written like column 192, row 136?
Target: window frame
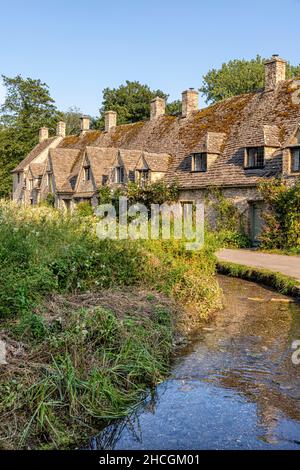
column 203, row 162
column 87, row 173
column 293, row 170
column 119, row 174
column 142, row 179
column 255, row 165
column 49, row 180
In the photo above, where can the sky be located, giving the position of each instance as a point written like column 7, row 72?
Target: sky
column 80, row 47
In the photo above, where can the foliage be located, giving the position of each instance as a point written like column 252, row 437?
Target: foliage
column 85, row 364
column 43, row 250
column 27, row 107
column 131, row 102
column 84, row 209
column 105, row 195
column 282, row 217
column 237, row 77
column 174, row 108
column 50, row 200
column 229, row 230
column 157, row 192
column 72, row 120
column 96, row 367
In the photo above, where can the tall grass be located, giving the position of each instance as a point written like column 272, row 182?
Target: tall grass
column 91, row 365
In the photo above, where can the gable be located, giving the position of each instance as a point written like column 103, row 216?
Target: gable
column 294, row 138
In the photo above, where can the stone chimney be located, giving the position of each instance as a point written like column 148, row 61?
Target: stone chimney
column 43, row 134
column 275, row 72
column 61, row 129
column 157, row 107
column 110, row 120
column 84, row 124
column 189, row 101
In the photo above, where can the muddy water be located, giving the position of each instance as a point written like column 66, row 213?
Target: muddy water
column 234, row 387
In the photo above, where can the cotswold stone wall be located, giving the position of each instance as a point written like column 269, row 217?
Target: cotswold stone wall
column 240, row 197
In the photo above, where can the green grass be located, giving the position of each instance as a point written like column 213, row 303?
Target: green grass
column 97, row 367
column 280, row 282
column 91, row 365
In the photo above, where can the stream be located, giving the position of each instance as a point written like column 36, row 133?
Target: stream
column 233, row 387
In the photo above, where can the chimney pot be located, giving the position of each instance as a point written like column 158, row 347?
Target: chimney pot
column 84, row 124
column 190, row 100
column 61, row 129
column 110, row 118
column 43, row 134
column 275, row 72
column 157, row 108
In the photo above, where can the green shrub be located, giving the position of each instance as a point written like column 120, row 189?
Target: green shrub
column 282, row 217
column 84, row 209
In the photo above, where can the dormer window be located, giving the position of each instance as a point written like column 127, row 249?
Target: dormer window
column 295, row 162
column 255, row 157
column 199, row 162
column 87, row 173
column 119, row 174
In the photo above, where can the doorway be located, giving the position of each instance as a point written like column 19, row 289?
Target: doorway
column 256, row 222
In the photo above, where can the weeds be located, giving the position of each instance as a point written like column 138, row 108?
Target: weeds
column 87, row 365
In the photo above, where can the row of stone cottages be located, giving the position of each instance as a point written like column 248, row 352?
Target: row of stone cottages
column 231, row 145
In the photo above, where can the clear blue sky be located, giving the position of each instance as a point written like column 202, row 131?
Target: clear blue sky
column 80, row 47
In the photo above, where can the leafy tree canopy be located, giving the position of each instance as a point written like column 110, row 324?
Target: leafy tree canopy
column 131, row 102
column 237, row 77
column 27, row 107
column 72, row 119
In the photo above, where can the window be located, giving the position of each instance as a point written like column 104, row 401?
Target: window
column 143, row 177
column 104, row 180
column 49, row 181
column 255, row 157
column 119, row 175
column 18, row 177
column 87, row 173
column 295, row 166
column 199, row 162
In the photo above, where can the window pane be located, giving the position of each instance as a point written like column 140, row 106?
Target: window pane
column 296, row 160
column 255, row 157
column 200, row 161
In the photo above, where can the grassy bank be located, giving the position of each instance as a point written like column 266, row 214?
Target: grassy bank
column 73, row 364
column 279, row 282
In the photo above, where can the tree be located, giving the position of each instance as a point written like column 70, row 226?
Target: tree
column 237, row 77
column 27, row 107
column 174, row 108
column 72, row 120
column 130, row 101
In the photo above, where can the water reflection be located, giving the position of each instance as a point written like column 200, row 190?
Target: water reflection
column 235, row 386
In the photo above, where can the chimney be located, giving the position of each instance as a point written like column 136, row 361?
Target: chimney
column 43, row 134
column 61, row 129
column 157, row 108
column 189, row 101
column 275, row 69
column 110, row 120
column 84, row 124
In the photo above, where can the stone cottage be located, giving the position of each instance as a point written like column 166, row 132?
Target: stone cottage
column 230, row 146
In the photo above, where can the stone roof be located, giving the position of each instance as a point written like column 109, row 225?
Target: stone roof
column 37, row 169
column 39, row 148
column 265, row 118
column 63, row 161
